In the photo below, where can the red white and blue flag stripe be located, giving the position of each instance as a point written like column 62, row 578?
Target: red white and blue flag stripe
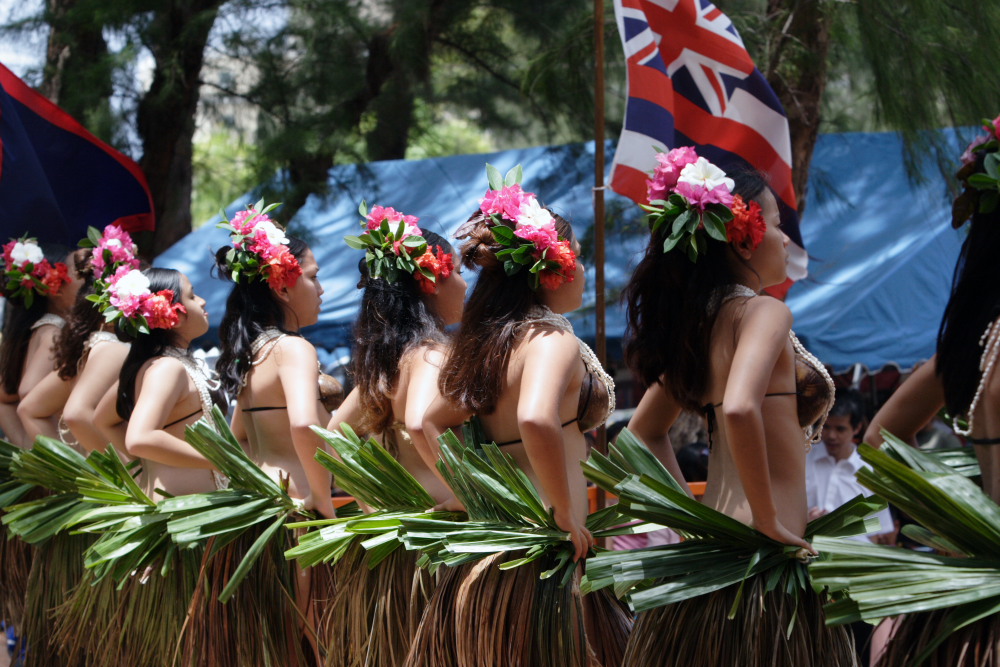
column 691, row 82
column 56, row 178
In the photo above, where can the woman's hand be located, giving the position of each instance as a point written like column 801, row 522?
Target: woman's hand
column 324, row 507
column 779, row 533
column 579, row 535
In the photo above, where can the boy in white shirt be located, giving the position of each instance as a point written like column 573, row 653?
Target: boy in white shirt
column 832, row 464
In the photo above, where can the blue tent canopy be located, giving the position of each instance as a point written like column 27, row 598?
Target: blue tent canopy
column 881, row 246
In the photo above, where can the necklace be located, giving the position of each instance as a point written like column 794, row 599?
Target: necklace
column 542, row 315
column 990, row 342
column 49, row 318
column 262, row 345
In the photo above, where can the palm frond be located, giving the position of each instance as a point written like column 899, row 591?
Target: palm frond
column 11, row 489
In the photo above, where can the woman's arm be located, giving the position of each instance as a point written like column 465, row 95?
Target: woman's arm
column 763, row 337
column 40, row 360
column 100, row 373
column 299, row 376
column 10, row 423
column 39, row 410
column 108, row 423
column 914, row 403
column 164, row 385
column 348, row 413
column 651, row 422
column 550, row 361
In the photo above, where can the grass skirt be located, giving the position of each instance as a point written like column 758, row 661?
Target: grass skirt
column 512, row 618
column 697, row 631
column 375, row 612
column 15, row 567
column 260, row 625
column 434, row 641
column 975, row 645
column 56, row 570
column 139, row 625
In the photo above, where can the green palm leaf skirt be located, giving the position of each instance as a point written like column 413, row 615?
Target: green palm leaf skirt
column 15, row 554
column 510, row 593
column 726, row 595
column 949, row 604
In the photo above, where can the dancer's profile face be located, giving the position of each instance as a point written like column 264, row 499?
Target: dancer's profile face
column 770, row 258
column 449, row 301
column 194, row 323
column 305, row 298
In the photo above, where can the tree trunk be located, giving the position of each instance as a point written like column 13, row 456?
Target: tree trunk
column 177, row 36
column 78, row 71
column 797, row 70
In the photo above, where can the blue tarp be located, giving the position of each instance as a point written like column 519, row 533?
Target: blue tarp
column 882, row 249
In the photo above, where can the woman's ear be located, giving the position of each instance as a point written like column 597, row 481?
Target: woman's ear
column 742, row 249
column 282, row 294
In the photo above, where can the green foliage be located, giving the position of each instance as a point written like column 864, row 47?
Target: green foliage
column 720, row 551
column 954, row 515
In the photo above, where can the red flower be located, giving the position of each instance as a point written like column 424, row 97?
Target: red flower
column 160, row 311
column 441, row 266
column 282, row 269
column 53, row 277
column 562, row 254
column 747, row 223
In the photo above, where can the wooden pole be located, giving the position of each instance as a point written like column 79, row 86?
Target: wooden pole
column 600, row 332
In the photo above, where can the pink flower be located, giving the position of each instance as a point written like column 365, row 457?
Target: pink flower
column 282, row 269
column 669, row 169
column 8, row 257
column 380, row 213
column 506, row 202
column 969, row 156
column 244, row 221
column 700, row 197
column 160, row 311
column 127, row 289
column 542, row 237
column 996, row 128
column 116, row 243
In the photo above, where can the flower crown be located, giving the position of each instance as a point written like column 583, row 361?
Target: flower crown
column 980, row 175
column 127, row 300
column 394, row 244
column 527, row 231
column 259, row 249
column 27, row 273
column 111, row 249
column 694, row 198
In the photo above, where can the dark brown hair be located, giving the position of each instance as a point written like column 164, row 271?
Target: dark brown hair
column 393, row 319
column 474, row 374
column 84, row 319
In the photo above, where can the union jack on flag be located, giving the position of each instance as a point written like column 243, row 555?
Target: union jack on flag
column 691, row 82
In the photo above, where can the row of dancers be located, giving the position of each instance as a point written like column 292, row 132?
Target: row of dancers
column 461, row 550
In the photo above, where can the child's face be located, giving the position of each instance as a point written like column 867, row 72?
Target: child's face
column 838, row 436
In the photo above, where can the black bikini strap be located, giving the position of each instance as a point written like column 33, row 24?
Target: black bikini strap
column 984, row 441
column 178, row 421
column 266, row 407
column 514, row 442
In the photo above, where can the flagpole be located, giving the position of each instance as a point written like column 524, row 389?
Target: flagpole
column 600, row 333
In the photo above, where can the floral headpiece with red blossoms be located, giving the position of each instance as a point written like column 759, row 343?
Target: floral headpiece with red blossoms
column 394, row 244
column 27, row 273
column 527, row 230
column 112, row 248
column 259, row 251
column 127, row 300
column 693, row 197
column 980, row 175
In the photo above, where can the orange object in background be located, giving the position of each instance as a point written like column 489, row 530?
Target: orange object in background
column 697, row 488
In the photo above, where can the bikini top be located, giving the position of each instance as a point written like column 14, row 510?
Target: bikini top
column 597, row 390
column 331, row 393
column 814, row 394
column 990, row 342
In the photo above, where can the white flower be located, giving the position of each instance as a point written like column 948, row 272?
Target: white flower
column 275, row 235
column 26, row 252
column 132, row 284
column 533, row 215
column 703, row 173
column 113, row 243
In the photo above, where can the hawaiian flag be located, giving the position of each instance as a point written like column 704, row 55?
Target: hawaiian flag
column 56, row 178
column 691, row 82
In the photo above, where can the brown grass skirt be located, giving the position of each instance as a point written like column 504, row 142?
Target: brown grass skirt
column 56, row 570
column 375, row 612
column 434, row 642
column 698, row 632
column 139, row 625
column 975, row 645
column 261, row 625
column 15, row 568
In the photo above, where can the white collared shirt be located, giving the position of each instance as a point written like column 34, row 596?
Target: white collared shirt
column 831, row 483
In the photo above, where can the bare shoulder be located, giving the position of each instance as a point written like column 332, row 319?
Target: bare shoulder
column 431, row 354
column 294, row 350
column 164, row 370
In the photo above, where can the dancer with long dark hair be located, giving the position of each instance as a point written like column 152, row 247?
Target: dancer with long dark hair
column 702, row 337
